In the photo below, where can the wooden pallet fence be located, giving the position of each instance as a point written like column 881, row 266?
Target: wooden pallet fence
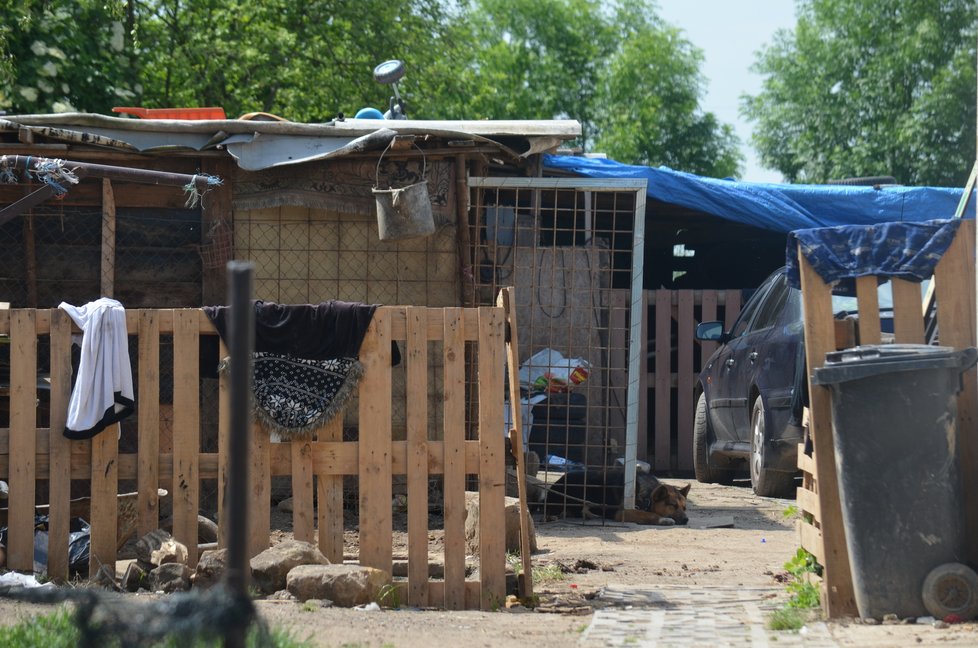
column 29, row 454
column 674, row 358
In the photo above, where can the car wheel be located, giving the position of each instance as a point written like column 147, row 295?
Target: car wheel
column 702, row 467
column 766, row 483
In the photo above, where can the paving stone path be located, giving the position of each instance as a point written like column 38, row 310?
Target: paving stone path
column 666, row 617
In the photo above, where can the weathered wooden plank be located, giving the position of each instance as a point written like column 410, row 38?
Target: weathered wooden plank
column 663, row 371
column 708, row 313
column 908, row 319
column 811, row 540
column 453, row 433
column 186, row 429
column 808, row 502
column 108, row 239
column 819, row 340
column 507, row 300
column 148, row 516
column 105, row 508
column 867, row 298
column 642, row 449
column 302, row 491
column 59, row 480
column 417, row 454
column 492, row 469
column 223, row 449
column 330, row 494
column 259, row 518
column 732, row 300
column 684, row 395
column 806, row 463
column 375, row 445
column 23, row 439
column 955, row 290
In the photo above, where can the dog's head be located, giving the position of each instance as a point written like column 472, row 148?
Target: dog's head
column 667, row 501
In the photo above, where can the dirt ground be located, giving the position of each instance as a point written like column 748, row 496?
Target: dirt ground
column 754, row 539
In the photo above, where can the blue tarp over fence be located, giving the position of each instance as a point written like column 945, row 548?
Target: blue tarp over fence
column 777, row 207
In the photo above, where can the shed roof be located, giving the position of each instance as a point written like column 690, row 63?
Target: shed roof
column 259, row 145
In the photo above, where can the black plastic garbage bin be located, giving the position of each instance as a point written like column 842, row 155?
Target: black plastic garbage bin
column 894, row 414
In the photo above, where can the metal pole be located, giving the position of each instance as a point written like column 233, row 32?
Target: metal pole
column 241, row 343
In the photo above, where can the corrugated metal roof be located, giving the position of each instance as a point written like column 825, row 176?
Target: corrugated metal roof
column 262, row 144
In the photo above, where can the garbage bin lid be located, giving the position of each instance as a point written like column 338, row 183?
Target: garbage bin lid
column 877, row 359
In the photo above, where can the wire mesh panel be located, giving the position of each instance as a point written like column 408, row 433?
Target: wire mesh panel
column 572, row 249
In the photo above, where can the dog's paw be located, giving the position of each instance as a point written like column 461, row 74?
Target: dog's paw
column 666, row 521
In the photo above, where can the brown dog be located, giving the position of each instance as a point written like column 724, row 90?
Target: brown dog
column 599, row 494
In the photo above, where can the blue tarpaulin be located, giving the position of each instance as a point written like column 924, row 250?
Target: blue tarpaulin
column 777, row 207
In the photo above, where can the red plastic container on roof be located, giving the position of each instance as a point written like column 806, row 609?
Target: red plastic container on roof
column 172, row 113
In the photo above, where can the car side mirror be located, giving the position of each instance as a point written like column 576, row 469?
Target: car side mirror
column 710, row 332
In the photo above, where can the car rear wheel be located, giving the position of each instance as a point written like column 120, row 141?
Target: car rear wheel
column 705, row 471
column 766, row 482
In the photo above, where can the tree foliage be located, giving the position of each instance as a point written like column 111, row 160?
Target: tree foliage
column 630, row 80
column 870, row 88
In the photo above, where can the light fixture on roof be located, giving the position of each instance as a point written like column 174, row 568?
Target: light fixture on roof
column 389, row 73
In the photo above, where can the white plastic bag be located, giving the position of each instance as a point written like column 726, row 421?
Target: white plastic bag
column 549, row 371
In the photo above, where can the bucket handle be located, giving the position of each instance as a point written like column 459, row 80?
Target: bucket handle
column 424, row 163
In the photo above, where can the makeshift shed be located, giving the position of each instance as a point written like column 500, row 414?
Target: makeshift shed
column 709, row 242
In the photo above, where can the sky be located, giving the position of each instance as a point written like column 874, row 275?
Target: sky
column 729, row 33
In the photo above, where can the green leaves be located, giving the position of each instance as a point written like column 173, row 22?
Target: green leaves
column 863, row 89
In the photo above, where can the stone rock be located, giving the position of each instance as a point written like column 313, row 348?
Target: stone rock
column 344, row 585
column 169, row 551
column 512, row 517
column 206, row 530
column 134, row 578
column 210, row 568
column 105, row 577
column 170, row 577
column 285, row 505
column 270, row 567
column 149, row 543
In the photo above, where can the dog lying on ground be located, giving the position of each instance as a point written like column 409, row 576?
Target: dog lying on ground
column 600, row 494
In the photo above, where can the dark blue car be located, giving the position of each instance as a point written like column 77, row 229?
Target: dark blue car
column 748, row 400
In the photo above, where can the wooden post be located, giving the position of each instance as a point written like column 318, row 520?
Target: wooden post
column 148, row 517
column 302, row 478
column 105, row 506
column 492, row 469
column 663, row 380
column 838, row 595
column 59, row 482
column 330, row 496
column 684, row 381
column 508, row 301
column 224, row 451
column 453, row 433
column 108, row 239
column 23, row 440
column 376, row 530
column 259, row 519
column 186, row 428
column 417, row 454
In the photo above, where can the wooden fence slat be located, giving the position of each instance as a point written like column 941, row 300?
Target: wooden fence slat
column 259, row 474
column 811, row 540
column 186, row 429
column 954, row 280
column 330, row 497
column 453, row 433
column 148, row 411
column 223, row 448
column 108, row 240
column 732, row 303
column 104, row 507
column 819, row 340
column 708, row 313
column 23, row 440
column 302, row 491
column 492, row 482
column 417, row 455
column 663, row 380
column 376, row 526
column 908, row 319
column 867, row 299
column 642, row 449
column 59, row 481
column 684, row 396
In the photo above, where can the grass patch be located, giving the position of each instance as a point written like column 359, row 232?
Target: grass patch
column 57, row 630
column 791, row 619
column 548, row 573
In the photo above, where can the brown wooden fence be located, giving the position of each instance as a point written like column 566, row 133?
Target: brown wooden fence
column 40, row 461
column 673, row 359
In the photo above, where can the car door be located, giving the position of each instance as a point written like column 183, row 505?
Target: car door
column 748, row 354
column 728, row 368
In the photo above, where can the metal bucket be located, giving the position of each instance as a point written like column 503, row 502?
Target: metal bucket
column 404, row 213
